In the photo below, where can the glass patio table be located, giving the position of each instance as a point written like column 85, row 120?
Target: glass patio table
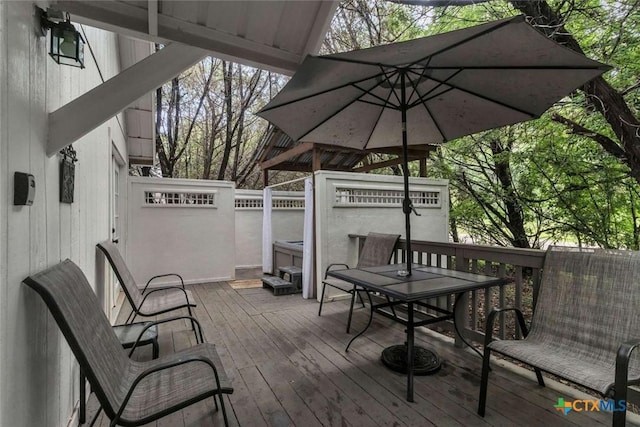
column 424, row 283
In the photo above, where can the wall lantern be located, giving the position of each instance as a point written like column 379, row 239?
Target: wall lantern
column 67, row 45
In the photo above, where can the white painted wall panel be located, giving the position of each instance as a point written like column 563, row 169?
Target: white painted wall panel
column 194, row 241
column 4, row 196
column 287, row 224
column 335, row 223
column 38, row 374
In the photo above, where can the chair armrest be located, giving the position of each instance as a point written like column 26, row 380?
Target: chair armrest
column 163, row 366
column 333, row 265
column 622, row 360
column 186, row 298
column 488, row 331
column 170, row 319
column 626, row 348
column 164, row 288
column 164, row 275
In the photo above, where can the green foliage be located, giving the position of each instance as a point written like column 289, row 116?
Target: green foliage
column 567, row 186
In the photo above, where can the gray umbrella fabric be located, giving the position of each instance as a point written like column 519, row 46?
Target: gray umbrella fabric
column 428, row 91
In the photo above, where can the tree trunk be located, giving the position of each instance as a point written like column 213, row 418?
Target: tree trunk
column 515, row 216
column 227, row 68
column 165, row 165
column 600, row 94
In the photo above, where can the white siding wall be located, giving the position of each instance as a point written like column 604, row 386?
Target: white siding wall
column 195, row 241
column 38, row 374
column 287, row 221
column 218, row 240
column 335, row 221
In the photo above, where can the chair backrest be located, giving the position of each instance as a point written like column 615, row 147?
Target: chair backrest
column 123, row 274
column 377, row 249
column 589, row 300
column 78, row 313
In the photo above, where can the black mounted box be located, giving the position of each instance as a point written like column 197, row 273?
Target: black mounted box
column 24, row 189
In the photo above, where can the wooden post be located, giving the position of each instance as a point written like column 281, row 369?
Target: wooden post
column 316, row 160
column 316, row 165
column 462, row 313
column 265, row 177
column 423, row 167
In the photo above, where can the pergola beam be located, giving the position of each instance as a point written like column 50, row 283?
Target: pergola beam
column 291, row 167
column 379, row 165
column 280, row 158
column 80, row 116
column 275, row 136
column 303, row 167
column 414, row 151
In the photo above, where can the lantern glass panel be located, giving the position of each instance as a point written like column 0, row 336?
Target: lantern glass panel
column 67, row 45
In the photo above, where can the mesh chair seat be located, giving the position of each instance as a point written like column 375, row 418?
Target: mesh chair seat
column 585, row 326
column 166, row 300
column 149, row 302
column 172, row 386
column 130, row 392
column 377, row 250
column 562, row 361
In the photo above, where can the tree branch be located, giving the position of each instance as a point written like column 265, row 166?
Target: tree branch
column 607, row 143
column 600, row 94
column 630, row 89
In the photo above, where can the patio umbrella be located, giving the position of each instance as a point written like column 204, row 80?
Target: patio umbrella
column 428, row 91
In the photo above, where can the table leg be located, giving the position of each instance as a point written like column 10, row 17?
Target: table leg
column 460, row 318
column 368, row 323
column 410, row 358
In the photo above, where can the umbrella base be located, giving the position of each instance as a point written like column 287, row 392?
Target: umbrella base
column 425, row 361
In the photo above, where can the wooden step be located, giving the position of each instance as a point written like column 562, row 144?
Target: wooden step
column 279, row 285
column 294, row 273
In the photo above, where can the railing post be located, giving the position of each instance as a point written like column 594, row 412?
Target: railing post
column 461, row 313
column 522, row 265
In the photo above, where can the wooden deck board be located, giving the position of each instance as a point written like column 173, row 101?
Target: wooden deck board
column 338, row 391
column 341, row 400
column 289, row 368
column 373, row 376
column 463, row 384
column 460, row 376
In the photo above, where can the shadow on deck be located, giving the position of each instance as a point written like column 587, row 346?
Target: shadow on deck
column 289, row 368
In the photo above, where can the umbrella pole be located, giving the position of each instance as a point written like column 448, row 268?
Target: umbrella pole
column 406, row 207
column 406, row 203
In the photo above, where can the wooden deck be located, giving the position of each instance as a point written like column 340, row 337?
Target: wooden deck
column 289, row 368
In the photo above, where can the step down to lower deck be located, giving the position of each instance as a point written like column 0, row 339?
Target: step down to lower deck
column 294, row 275
column 279, row 286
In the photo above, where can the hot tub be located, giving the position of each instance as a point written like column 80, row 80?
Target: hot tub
column 286, row 253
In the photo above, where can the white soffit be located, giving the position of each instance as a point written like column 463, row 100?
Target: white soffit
column 138, row 116
column 272, row 35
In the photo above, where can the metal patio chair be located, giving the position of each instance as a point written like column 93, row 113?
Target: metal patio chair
column 148, row 302
column 585, row 326
column 130, row 392
column 377, row 250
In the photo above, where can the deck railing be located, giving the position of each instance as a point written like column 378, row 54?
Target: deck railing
column 521, row 266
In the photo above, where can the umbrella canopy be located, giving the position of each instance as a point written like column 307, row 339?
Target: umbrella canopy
column 428, row 90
